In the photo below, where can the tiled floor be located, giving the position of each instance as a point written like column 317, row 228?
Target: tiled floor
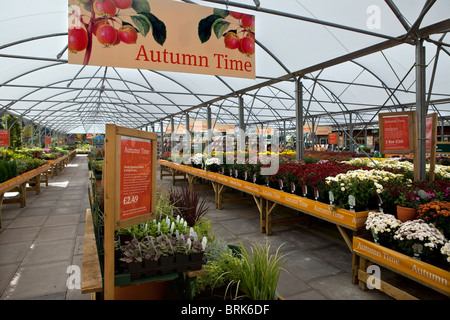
column 40, row 242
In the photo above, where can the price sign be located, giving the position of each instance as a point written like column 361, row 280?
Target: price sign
column 397, row 132
column 135, row 177
column 4, row 138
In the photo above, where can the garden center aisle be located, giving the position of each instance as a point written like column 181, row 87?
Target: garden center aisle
column 39, row 242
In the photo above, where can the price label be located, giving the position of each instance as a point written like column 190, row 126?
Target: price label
column 130, row 199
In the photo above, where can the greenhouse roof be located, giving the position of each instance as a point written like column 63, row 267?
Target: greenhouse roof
column 354, row 59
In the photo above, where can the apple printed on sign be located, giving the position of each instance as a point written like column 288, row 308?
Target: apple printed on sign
column 237, row 30
column 111, row 22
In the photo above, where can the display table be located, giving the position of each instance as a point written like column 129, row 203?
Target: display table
column 57, row 165
column 368, row 252
column 268, row 198
column 19, row 184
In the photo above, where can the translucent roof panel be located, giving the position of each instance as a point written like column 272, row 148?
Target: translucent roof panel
column 352, row 55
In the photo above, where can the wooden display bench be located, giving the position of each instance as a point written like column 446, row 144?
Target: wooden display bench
column 19, row 184
column 267, row 199
column 171, row 173
column 57, row 165
column 92, row 279
column 367, row 253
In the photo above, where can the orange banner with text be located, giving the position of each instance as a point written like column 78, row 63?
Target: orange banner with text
column 420, row 270
column 161, row 35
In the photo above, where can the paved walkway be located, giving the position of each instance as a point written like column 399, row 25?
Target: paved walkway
column 40, row 242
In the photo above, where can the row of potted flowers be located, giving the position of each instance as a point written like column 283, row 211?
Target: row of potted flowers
column 423, row 238
column 360, row 184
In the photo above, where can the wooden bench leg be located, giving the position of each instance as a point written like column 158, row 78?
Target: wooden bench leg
column 260, row 203
column 270, row 206
column 1, row 204
column 23, row 195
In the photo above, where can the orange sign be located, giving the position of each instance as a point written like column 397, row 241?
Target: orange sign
column 333, row 138
column 396, row 133
column 4, row 138
column 414, row 268
column 162, row 35
column 135, row 177
column 48, row 141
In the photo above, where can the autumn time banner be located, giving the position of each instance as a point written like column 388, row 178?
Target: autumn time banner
column 161, row 35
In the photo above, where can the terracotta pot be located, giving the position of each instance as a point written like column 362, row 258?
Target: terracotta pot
column 405, row 213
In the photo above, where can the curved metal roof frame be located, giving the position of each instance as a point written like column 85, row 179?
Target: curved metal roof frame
column 106, row 102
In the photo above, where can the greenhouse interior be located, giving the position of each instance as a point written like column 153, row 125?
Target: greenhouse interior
column 225, row 150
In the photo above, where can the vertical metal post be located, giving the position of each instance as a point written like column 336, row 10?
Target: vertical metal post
column 313, row 133
column 209, row 130
column 284, row 134
column 299, row 118
column 188, row 136
column 421, row 112
column 162, row 137
column 352, row 145
column 241, row 135
column 172, row 133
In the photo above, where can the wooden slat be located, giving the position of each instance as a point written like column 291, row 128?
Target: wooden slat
column 91, row 276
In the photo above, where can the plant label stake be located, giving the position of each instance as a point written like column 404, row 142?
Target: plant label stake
column 380, row 203
column 280, row 182
column 231, row 172
column 305, row 190
column 316, row 193
column 331, row 196
column 245, row 175
column 292, row 187
column 254, row 178
column 236, row 173
column 351, row 202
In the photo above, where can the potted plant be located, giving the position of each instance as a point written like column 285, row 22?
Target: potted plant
column 437, row 213
column 407, row 205
column 419, row 239
column 382, row 227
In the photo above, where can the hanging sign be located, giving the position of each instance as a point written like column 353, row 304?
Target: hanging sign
column 333, row 138
column 397, row 132
column 4, row 138
column 48, row 141
column 161, row 35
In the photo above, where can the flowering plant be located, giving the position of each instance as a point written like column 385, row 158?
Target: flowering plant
column 438, row 213
column 212, row 164
column 418, row 238
column 445, row 250
column 196, row 160
column 383, row 227
column 364, row 185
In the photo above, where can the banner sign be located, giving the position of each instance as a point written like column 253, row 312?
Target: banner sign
column 396, row 132
column 4, row 138
column 48, row 141
column 161, row 35
column 135, row 177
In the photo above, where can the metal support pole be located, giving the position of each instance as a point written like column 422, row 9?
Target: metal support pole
column 352, row 145
column 209, row 130
column 172, row 133
column 241, row 135
column 299, row 118
column 162, row 137
column 421, row 111
column 313, row 133
column 188, row 136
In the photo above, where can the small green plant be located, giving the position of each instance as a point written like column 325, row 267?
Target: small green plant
column 259, row 272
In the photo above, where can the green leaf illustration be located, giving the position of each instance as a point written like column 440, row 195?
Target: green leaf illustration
column 221, row 12
column 141, row 6
column 158, row 28
column 205, row 26
column 142, row 24
column 220, row 26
